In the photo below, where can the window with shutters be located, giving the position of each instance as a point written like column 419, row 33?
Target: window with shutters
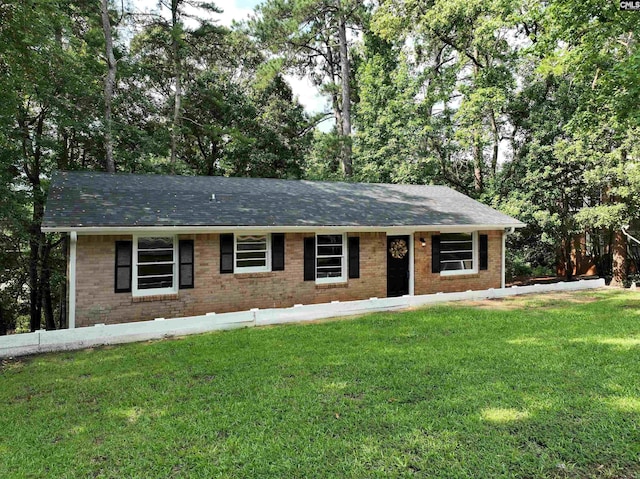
column 253, row 253
column 458, row 253
column 330, row 258
column 154, row 259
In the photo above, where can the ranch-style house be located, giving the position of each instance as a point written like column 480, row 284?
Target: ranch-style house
column 149, row 246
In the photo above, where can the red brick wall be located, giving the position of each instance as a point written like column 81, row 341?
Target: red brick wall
column 428, row 282
column 215, row 292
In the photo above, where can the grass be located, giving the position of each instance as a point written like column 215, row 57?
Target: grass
column 539, row 386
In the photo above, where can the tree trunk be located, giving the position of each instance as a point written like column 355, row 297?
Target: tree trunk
column 33, row 149
column 619, row 258
column 62, row 314
column 478, row 163
column 335, row 103
column 478, row 157
column 337, row 113
column 177, row 73
column 45, row 285
column 109, row 84
column 347, row 168
column 568, row 262
column 496, row 145
column 3, row 322
column 35, row 242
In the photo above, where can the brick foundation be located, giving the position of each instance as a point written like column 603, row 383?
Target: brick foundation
column 215, row 292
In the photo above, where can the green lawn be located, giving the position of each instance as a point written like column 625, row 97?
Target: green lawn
column 539, row 386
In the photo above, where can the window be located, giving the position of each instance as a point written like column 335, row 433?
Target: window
column 252, row 253
column 330, row 262
column 155, row 271
column 458, row 253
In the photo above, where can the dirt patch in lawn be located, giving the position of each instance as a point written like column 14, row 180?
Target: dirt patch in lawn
column 9, row 363
column 538, row 301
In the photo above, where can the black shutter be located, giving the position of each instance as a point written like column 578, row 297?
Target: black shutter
column 309, row 259
column 484, row 252
column 124, row 260
column 277, row 252
column 435, row 253
column 354, row 257
column 226, row 253
column 185, row 263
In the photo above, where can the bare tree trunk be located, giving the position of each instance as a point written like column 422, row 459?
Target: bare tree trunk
column 335, row 103
column 35, row 243
column 3, row 323
column 478, row 157
column 45, row 285
column 177, row 73
column 496, row 145
column 478, row 163
column 619, row 257
column 109, row 84
column 62, row 315
column 337, row 113
column 568, row 262
column 32, row 151
column 347, row 167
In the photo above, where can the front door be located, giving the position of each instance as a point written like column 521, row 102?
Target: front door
column 397, row 265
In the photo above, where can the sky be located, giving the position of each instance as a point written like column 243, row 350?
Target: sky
column 240, row 10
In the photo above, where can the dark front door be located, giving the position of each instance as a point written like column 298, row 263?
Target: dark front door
column 397, row 265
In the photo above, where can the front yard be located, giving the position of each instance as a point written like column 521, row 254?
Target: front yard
column 535, row 386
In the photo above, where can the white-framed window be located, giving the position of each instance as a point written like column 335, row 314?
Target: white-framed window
column 252, row 253
column 154, row 259
column 331, row 261
column 458, row 253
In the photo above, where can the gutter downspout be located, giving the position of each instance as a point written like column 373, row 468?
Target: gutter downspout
column 505, row 233
column 73, row 236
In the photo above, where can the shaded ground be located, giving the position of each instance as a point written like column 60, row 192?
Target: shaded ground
column 538, row 301
column 535, row 386
column 528, row 280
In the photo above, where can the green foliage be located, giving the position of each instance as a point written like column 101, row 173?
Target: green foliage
column 323, row 163
column 460, row 65
column 536, row 386
column 530, row 107
column 390, row 145
column 516, row 267
column 238, row 118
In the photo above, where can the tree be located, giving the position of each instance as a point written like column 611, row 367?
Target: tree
column 596, row 46
column 238, row 116
column 49, row 109
column 109, row 84
column 461, row 51
column 392, row 141
column 174, row 45
column 311, row 37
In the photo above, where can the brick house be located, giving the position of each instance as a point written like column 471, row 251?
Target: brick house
column 148, row 246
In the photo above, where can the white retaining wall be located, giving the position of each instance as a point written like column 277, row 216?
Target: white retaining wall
column 69, row 339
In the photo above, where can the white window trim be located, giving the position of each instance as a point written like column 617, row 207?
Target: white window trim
column 475, row 257
column 155, row 291
column 343, row 275
column 251, row 269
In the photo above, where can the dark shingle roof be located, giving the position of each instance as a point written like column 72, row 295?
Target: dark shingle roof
column 88, row 199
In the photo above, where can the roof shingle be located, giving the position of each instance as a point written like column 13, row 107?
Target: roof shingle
column 89, row 199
